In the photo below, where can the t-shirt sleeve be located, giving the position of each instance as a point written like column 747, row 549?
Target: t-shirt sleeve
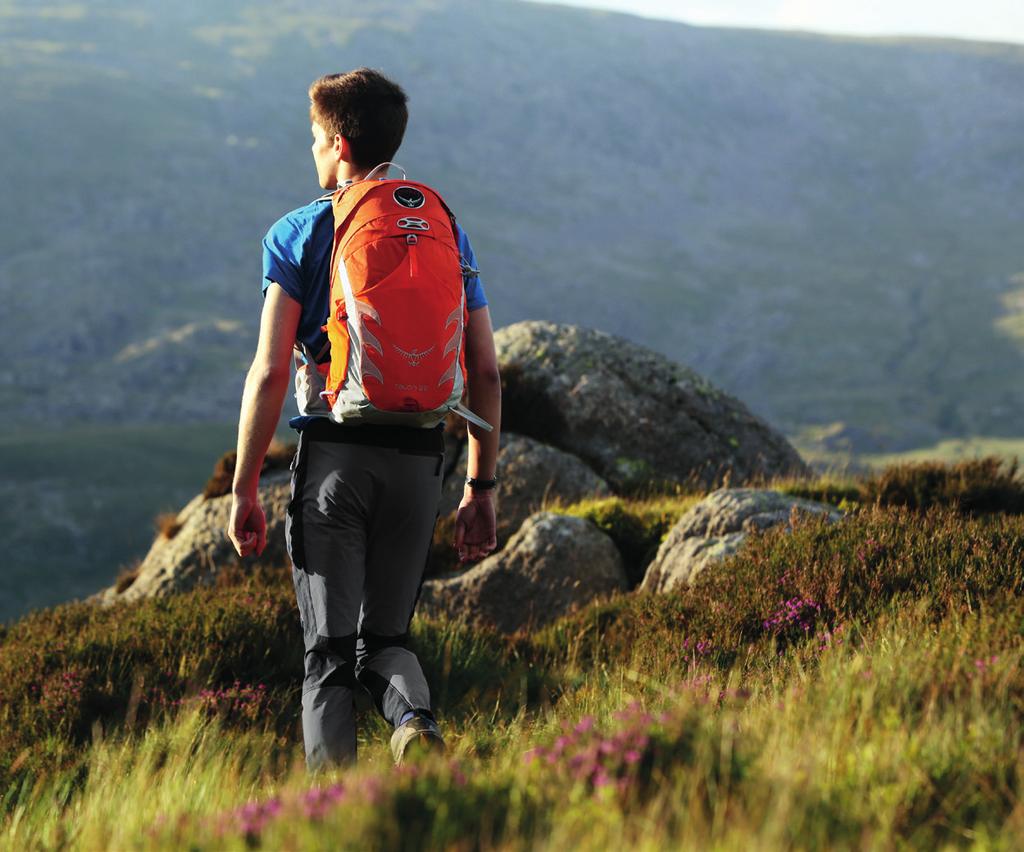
column 475, row 297
column 282, row 257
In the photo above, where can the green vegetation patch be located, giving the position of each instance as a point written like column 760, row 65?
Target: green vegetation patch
column 67, row 670
column 882, row 652
column 971, row 486
column 234, row 651
column 636, row 526
column 843, row 492
column 785, row 588
column 925, row 713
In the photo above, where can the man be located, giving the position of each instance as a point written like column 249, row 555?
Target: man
column 364, row 497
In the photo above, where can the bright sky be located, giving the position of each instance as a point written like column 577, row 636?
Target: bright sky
column 985, row 20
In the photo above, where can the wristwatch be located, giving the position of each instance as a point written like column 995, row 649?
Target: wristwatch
column 481, row 484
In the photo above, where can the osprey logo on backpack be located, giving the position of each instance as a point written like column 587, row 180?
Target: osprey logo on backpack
column 413, row 358
column 409, row 196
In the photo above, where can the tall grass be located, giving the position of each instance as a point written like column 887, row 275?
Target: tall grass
column 906, row 730
column 851, row 685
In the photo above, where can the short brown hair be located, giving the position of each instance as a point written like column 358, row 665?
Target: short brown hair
column 366, row 108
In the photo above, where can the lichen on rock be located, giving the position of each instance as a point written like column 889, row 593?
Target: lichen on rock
column 717, row 527
column 638, row 419
column 551, row 566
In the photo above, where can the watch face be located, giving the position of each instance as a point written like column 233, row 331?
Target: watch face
column 409, row 196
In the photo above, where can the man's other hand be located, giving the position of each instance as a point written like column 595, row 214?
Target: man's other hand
column 247, row 526
column 475, row 527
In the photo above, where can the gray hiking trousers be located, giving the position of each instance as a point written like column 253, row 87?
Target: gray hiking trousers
column 364, row 504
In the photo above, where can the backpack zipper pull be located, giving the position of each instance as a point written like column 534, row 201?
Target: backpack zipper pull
column 411, row 240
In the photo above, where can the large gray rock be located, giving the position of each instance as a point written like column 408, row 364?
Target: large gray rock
column 553, row 565
column 532, row 475
column 716, row 528
column 200, row 548
column 635, row 416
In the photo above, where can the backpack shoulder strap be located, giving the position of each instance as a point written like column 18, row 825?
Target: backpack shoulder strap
column 386, row 165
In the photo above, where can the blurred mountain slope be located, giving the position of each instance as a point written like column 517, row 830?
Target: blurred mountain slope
column 827, row 228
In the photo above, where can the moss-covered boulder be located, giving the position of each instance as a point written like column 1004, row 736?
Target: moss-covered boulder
column 717, row 527
column 639, row 419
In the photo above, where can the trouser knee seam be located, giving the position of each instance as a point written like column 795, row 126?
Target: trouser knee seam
column 317, row 687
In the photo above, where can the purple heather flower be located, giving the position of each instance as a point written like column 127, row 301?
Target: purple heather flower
column 458, row 776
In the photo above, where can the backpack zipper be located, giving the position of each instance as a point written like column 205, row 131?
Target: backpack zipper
column 411, row 241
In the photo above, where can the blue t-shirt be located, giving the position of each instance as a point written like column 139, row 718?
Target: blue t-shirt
column 297, row 256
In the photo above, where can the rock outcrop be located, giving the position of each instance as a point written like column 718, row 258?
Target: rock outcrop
column 531, row 474
column 635, row 416
column 584, row 414
column 551, row 566
column 200, row 548
column 716, row 528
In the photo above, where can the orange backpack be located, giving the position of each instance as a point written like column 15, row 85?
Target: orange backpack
column 398, row 314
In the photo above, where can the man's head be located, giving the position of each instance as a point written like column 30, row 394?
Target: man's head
column 358, row 122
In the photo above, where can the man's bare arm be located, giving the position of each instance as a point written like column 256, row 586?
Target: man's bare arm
column 265, row 388
column 475, row 522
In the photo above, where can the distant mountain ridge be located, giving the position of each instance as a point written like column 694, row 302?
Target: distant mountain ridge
column 827, row 228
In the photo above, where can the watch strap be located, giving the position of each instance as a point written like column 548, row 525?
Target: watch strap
column 481, row 484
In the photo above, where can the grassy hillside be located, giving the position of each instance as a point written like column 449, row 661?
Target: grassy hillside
column 855, row 685
column 827, row 228
column 836, row 453
column 78, row 504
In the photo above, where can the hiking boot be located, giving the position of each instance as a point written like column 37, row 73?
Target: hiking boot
column 417, row 736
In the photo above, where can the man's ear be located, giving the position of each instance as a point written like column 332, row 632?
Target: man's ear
column 342, row 148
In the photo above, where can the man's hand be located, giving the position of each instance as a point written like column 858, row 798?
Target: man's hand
column 247, row 526
column 475, row 527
